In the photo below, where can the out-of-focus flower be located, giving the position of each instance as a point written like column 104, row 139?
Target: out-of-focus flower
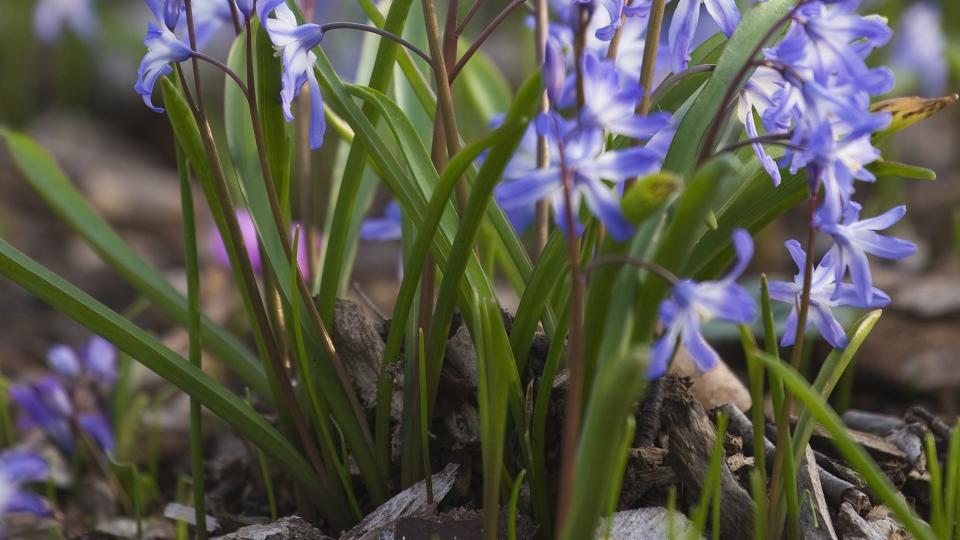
column 19, row 467
column 51, row 16
column 294, row 42
column 97, row 359
column 618, row 10
column 383, row 229
column 693, row 304
column 855, row 238
column 581, row 155
column 248, row 230
column 163, row 48
column 920, row 47
column 611, row 101
column 209, row 16
column 825, row 294
column 47, row 405
column 683, row 26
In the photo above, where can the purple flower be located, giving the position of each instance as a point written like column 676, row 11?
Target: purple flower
column 582, row 156
column 617, row 11
column 248, row 230
column 98, row 359
column 832, row 41
column 51, row 16
column 683, row 26
column 920, row 48
column 45, row 404
column 383, row 229
column 19, row 467
column 825, row 294
column 611, row 101
column 855, row 238
column 693, row 304
column 209, row 16
column 294, row 43
column 163, row 47
column 758, row 96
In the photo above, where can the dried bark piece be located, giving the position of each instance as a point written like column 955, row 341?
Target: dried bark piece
column 691, row 441
column 854, row 527
column 939, row 428
column 909, row 439
column 712, row 388
column 357, row 340
column 868, row 422
column 815, row 522
column 288, row 528
column 412, row 501
column 652, row 523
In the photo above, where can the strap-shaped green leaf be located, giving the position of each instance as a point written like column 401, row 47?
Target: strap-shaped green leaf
column 46, row 177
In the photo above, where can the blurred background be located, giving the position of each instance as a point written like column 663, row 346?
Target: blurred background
column 69, row 83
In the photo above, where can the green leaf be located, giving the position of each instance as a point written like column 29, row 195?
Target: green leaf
column 883, row 167
column 43, row 174
column 907, row 111
column 756, row 23
column 853, row 454
column 147, row 350
column 829, row 375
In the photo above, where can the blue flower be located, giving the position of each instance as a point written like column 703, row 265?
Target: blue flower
column 45, row 404
column 163, row 47
column 831, row 42
column 611, row 102
column 693, row 304
column 582, row 155
column 617, row 11
column 19, row 467
column 294, row 42
column 683, row 26
column 920, row 48
column 51, row 16
column 855, row 238
column 98, row 360
column 209, row 16
column 758, row 96
column 383, row 229
column 825, row 294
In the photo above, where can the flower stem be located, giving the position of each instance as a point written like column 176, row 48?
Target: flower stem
column 484, row 34
column 542, row 218
column 195, row 349
column 650, row 47
column 573, row 406
column 380, row 32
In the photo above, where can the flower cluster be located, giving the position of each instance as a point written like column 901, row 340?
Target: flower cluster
column 815, row 91
column 71, row 400
column 577, row 147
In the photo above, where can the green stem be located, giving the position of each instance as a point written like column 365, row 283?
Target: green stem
column 193, row 302
column 650, row 46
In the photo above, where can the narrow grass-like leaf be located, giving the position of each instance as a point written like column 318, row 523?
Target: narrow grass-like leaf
column 43, row 174
column 853, row 453
column 830, row 373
